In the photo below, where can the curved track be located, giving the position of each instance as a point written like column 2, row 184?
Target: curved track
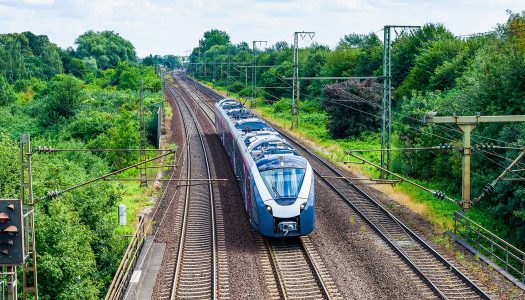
column 195, row 269
column 295, row 265
column 441, row 276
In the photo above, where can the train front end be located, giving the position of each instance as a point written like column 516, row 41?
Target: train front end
column 285, row 192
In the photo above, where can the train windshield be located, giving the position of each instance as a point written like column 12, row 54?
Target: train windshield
column 283, row 183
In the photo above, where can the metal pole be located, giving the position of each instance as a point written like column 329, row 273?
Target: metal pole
column 467, row 130
column 11, row 283
column 142, row 154
column 229, row 65
column 386, row 101
column 30, row 265
column 386, row 122
column 254, row 72
column 295, row 81
column 295, row 99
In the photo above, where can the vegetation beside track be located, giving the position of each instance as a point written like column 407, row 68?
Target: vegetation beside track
column 83, row 98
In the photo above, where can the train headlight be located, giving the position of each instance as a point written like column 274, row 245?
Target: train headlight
column 269, row 209
column 302, row 206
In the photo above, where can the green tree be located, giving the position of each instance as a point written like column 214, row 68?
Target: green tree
column 6, row 92
column 212, row 38
column 107, row 47
column 11, row 59
column 61, row 98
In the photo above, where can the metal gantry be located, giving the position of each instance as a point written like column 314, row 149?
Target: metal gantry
column 295, row 82
column 254, row 71
column 386, row 121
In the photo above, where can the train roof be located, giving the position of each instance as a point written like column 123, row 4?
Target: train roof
column 266, row 146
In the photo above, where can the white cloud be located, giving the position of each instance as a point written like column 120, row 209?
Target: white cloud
column 39, row 2
column 173, row 26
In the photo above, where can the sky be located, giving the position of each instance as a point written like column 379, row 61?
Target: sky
column 175, row 26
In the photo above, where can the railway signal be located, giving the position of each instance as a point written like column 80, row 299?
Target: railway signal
column 11, row 233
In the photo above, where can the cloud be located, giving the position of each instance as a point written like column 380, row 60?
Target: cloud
column 39, row 2
column 173, row 26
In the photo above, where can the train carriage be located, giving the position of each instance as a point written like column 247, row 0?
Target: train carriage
column 277, row 183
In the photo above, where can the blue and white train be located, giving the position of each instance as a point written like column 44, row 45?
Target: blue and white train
column 276, row 182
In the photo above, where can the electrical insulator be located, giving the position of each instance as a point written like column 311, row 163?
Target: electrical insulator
column 11, row 233
column 488, row 189
column 53, row 194
column 45, row 149
column 440, row 195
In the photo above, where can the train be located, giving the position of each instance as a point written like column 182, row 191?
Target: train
column 276, row 182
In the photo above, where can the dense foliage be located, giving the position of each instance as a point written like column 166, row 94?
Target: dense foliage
column 83, row 98
column 432, row 70
column 104, row 49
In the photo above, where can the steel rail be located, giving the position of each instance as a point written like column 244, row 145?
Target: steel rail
column 385, row 213
column 313, row 265
column 211, row 204
column 277, row 273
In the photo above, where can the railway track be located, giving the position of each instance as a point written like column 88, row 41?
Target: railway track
column 446, row 281
column 295, row 267
column 194, row 263
column 298, row 270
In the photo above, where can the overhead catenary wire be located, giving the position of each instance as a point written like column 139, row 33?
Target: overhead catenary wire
column 500, row 156
column 438, row 194
column 45, row 149
column 416, row 128
column 56, row 193
column 439, row 147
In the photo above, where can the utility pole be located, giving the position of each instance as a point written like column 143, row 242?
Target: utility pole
column 187, row 59
column 295, row 85
column 142, row 153
column 200, row 60
column 229, row 65
column 205, row 73
column 467, row 124
column 386, row 120
column 254, row 71
column 188, row 62
column 213, row 64
column 30, row 283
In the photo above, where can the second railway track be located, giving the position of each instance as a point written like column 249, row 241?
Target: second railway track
column 196, row 264
column 439, row 274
